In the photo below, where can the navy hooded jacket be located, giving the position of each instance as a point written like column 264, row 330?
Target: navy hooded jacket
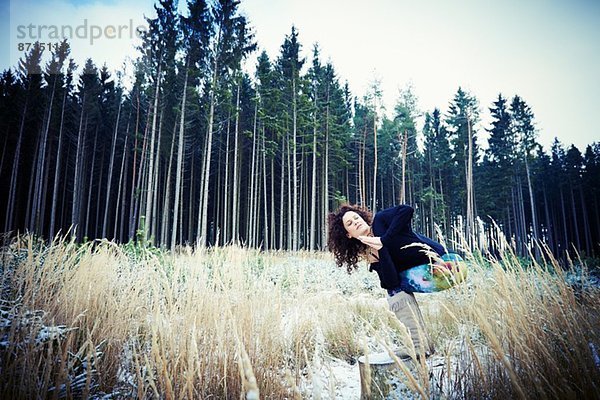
column 393, row 226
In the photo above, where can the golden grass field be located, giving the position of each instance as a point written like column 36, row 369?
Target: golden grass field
column 100, row 320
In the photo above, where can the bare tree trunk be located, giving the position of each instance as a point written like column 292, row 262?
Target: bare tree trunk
column 549, row 223
column 374, row 200
column 57, row 170
column 203, row 226
column 359, row 171
column 179, row 171
column 431, row 197
column 12, row 193
column 575, row 222
column 586, row 225
column 96, row 225
column 134, row 172
column 471, row 228
column 41, row 162
column 90, row 185
column 4, row 149
column 202, row 185
column 301, row 228
column 265, row 209
column 325, row 190
column 597, row 214
column 281, row 199
column 272, row 242
column 362, row 155
column 313, row 196
column 191, row 208
column 164, row 232
column 28, row 214
column 524, row 230
column 533, row 210
column 226, row 199
column 149, row 197
column 191, row 215
column 564, row 216
column 140, row 203
column 235, row 212
column 251, row 189
column 290, row 227
column 80, row 144
column 64, row 194
column 404, row 141
column 257, row 195
column 117, row 235
column 295, row 222
column 152, row 229
column 110, row 172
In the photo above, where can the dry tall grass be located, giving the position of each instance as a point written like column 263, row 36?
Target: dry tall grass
column 82, row 320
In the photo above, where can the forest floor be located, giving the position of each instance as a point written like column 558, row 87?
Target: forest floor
column 102, row 320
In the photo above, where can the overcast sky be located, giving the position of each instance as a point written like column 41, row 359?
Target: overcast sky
column 548, row 52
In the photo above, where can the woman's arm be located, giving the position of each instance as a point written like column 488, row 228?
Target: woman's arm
column 388, row 275
column 392, row 221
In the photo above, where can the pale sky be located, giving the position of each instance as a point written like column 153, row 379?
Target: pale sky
column 548, row 52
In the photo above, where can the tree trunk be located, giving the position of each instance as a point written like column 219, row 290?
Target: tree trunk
column 273, row 238
column 471, row 229
column 575, row 222
column 281, row 195
column 564, row 217
column 265, row 209
column 295, row 222
column 179, row 172
column 235, row 212
column 110, row 172
column 117, row 235
column 226, row 199
column 57, row 170
column 325, row 190
column 251, row 211
column 313, row 196
column 203, row 226
column 80, row 144
column 533, row 211
column 361, row 176
column 137, row 189
column 290, row 223
column 28, row 214
column 549, row 222
column 41, row 162
column 152, row 229
column 4, row 150
column 134, row 171
column 149, row 197
column 90, row 185
column 404, row 141
column 586, row 225
column 164, row 232
column 374, row 200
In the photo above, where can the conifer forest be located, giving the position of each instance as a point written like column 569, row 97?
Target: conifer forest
column 196, row 150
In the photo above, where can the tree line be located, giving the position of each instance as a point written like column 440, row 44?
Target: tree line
column 196, row 150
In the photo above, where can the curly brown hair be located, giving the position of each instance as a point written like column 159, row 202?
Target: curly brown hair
column 346, row 251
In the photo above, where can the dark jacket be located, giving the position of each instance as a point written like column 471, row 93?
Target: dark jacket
column 393, row 226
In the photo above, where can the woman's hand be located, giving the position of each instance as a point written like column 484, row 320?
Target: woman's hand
column 371, row 241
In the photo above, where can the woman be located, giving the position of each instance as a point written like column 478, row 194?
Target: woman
column 389, row 244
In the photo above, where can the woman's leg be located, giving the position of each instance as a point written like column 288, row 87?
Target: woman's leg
column 405, row 307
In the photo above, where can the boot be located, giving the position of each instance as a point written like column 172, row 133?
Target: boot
column 405, row 306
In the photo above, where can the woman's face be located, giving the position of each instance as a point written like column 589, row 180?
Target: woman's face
column 355, row 225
